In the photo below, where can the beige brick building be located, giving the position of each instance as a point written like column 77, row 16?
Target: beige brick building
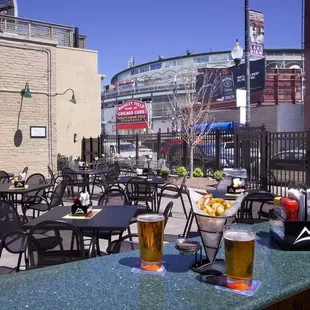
column 49, row 69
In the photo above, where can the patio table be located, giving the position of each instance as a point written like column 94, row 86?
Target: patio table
column 7, row 188
column 110, row 218
column 107, row 283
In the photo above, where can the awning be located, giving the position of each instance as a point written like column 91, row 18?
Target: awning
column 216, row 126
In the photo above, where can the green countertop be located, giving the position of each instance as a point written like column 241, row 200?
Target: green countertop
column 108, row 283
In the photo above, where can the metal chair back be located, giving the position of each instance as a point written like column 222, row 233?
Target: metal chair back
column 113, row 197
column 70, row 249
column 4, row 177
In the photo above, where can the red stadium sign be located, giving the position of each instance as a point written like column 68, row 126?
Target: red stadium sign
column 132, row 114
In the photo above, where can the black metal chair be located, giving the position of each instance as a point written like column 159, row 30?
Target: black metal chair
column 127, row 243
column 245, row 213
column 13, row 237
column 71, row 248
column 113, row 197
column 54, row 176
column 73, row 180
column 139, row 190
column 104, row 167
column 149, row 173
column 4, row 177
column 113, row 173
column 173, row 191
column 25, row 170
column 102, row 182
column 49, row 200
column 167, row 211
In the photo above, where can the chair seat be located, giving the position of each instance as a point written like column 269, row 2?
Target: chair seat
column 38, row 206
column 51, row 258
column 18, row 243
column 6, row 270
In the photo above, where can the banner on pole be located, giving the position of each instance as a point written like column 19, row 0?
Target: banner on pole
column 257, row 33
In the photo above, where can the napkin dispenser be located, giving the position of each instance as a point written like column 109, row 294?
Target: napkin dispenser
column 20, row 181
column 19, row 184
column 237, row 186
column 82, row 205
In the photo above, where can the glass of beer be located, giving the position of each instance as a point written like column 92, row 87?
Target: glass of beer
column 151, row 239
column 239, row 241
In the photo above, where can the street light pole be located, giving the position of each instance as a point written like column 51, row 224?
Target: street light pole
column 247, row 61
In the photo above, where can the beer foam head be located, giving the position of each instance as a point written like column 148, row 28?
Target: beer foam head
column 150, row 218
column 239, row 235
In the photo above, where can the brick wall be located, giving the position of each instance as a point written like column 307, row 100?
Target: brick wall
column 22, row 62
column 47, row 68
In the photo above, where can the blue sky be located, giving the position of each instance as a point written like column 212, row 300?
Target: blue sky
column 146, row 29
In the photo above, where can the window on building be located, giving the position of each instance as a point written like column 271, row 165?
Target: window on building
column 134, row 71
column 144, row 69
column 156, row 66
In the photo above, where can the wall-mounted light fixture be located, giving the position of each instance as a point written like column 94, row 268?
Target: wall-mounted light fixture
column 26, row 93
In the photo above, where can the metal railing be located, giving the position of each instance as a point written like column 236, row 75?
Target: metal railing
column 272, row 159
column 40, row 30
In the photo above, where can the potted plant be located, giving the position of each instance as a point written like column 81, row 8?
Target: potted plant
column 218, row 175
column 197, row 173
column 181, row 171
column 164, row 173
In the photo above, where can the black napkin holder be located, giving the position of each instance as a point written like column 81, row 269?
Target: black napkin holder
column 19, row 184
column 78, row 209
column 289, row 235
column 231, row 189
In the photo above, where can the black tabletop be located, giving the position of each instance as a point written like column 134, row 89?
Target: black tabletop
column 152, row 181
column 5, row 188
column 222, row 194
column 109, row 218
column 88, row 171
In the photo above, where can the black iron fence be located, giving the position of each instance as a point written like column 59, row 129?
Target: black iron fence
column 271, row 159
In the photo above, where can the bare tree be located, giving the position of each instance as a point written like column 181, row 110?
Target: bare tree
column 191, row 104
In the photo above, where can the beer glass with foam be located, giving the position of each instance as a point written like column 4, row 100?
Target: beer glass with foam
column 151, row 238
column 239, row 241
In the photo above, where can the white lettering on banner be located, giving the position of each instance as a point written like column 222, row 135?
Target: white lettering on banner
column 131, row 104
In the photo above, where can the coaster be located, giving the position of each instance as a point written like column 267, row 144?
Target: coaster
column 250, row 292
column 82, row 217
column 159, row 272
column 13, row 187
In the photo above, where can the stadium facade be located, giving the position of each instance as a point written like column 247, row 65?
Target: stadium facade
column 279, row 105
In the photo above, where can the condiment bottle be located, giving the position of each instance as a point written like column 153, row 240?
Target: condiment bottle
column 277, row 206
column 290, row 208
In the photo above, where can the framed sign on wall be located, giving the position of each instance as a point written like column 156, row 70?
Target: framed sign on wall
column 37, row 131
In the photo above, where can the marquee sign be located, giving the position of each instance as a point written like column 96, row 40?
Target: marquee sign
column 132, row 114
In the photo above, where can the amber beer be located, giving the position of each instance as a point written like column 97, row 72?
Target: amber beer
column 151, row 237
column 239, row 256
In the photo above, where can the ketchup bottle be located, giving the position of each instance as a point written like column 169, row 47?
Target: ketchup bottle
column 290, row 208
column 76, row 200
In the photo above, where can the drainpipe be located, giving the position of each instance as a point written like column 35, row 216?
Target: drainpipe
column 49, row 89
